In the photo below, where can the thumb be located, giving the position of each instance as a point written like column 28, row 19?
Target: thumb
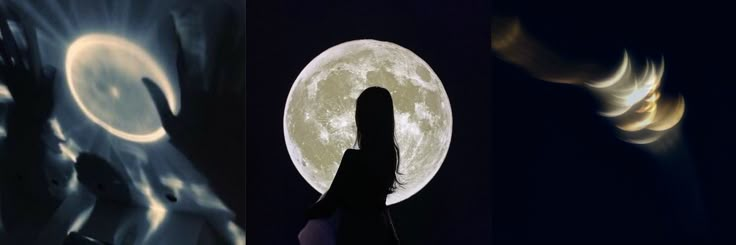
column 159, row 100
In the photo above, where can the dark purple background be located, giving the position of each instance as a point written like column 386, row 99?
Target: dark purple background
column 452, row 36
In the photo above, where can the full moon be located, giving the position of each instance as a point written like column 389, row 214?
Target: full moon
column 319, row 118
column 103, row 73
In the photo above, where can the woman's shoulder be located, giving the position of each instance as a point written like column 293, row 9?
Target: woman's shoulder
column 350, row 154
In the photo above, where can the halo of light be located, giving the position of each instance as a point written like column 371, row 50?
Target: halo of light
column 74, row 52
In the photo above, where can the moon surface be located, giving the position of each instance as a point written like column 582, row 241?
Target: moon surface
column 319, row 118
column 103, row 73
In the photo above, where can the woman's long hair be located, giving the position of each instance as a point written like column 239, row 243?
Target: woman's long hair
column 374, row 118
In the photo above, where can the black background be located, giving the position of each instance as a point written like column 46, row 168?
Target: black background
column 452, row 36
column 559, row 173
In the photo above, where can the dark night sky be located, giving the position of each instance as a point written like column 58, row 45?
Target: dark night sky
column 555, row 170
column 560, row 175
column 452, row 36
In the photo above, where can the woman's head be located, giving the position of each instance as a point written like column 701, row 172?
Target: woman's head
column 374, row 118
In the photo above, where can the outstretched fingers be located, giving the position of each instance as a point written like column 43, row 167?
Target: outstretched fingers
column 19, row 55
column 183, row 70
column 31, row 54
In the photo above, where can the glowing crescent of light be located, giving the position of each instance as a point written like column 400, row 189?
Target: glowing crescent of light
column 631, row 97
column 5, row 93
column 644, row 141
column 158, row 76
column 622, row 70
column 665, row 121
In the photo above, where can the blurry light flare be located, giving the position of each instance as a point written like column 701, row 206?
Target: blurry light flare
column 69, row 152
column 512, row 44
column 624, row 94
column 645, row 141
column 174, row 183
column 638, row 124
column 508, row 35
column 667, row 120
column 73, row 185
column 156, row 209
column 623, row 69
column 204, row 197
column 56, row 128
column 113, row 41
column 5, row 93
column 81, row 219
column 237, row 236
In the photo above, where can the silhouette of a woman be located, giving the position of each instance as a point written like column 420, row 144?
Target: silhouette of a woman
column 365, row 176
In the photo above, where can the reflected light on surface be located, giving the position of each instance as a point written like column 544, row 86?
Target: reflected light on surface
column 69, row 151
column 81, row 219
column 156, row 209
column 237, row 236
column 56, row 128
column 174, row 183
column 104, row 74
column 73, row 185
column 5, row 94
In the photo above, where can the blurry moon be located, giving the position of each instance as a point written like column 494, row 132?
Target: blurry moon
column 104, row 74
column 319, row 118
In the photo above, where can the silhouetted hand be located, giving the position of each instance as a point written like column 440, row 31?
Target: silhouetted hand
column 183, row 129
column 209, row 129
column 186, row 128
column 31, row 88
column 20, row 68
column 24, row 187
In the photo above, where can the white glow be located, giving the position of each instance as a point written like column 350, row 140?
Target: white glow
column 5, row 94
column 633, row 102
column 56, row 128
column 77, row 51
column 156, row 209
column 630, row 96
column 237, row 236
column 73, row 185
column 173, row 182
column 81, row 218
column 156, row 212
column 618, row 76
column 68, row 152
column 205, row 197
